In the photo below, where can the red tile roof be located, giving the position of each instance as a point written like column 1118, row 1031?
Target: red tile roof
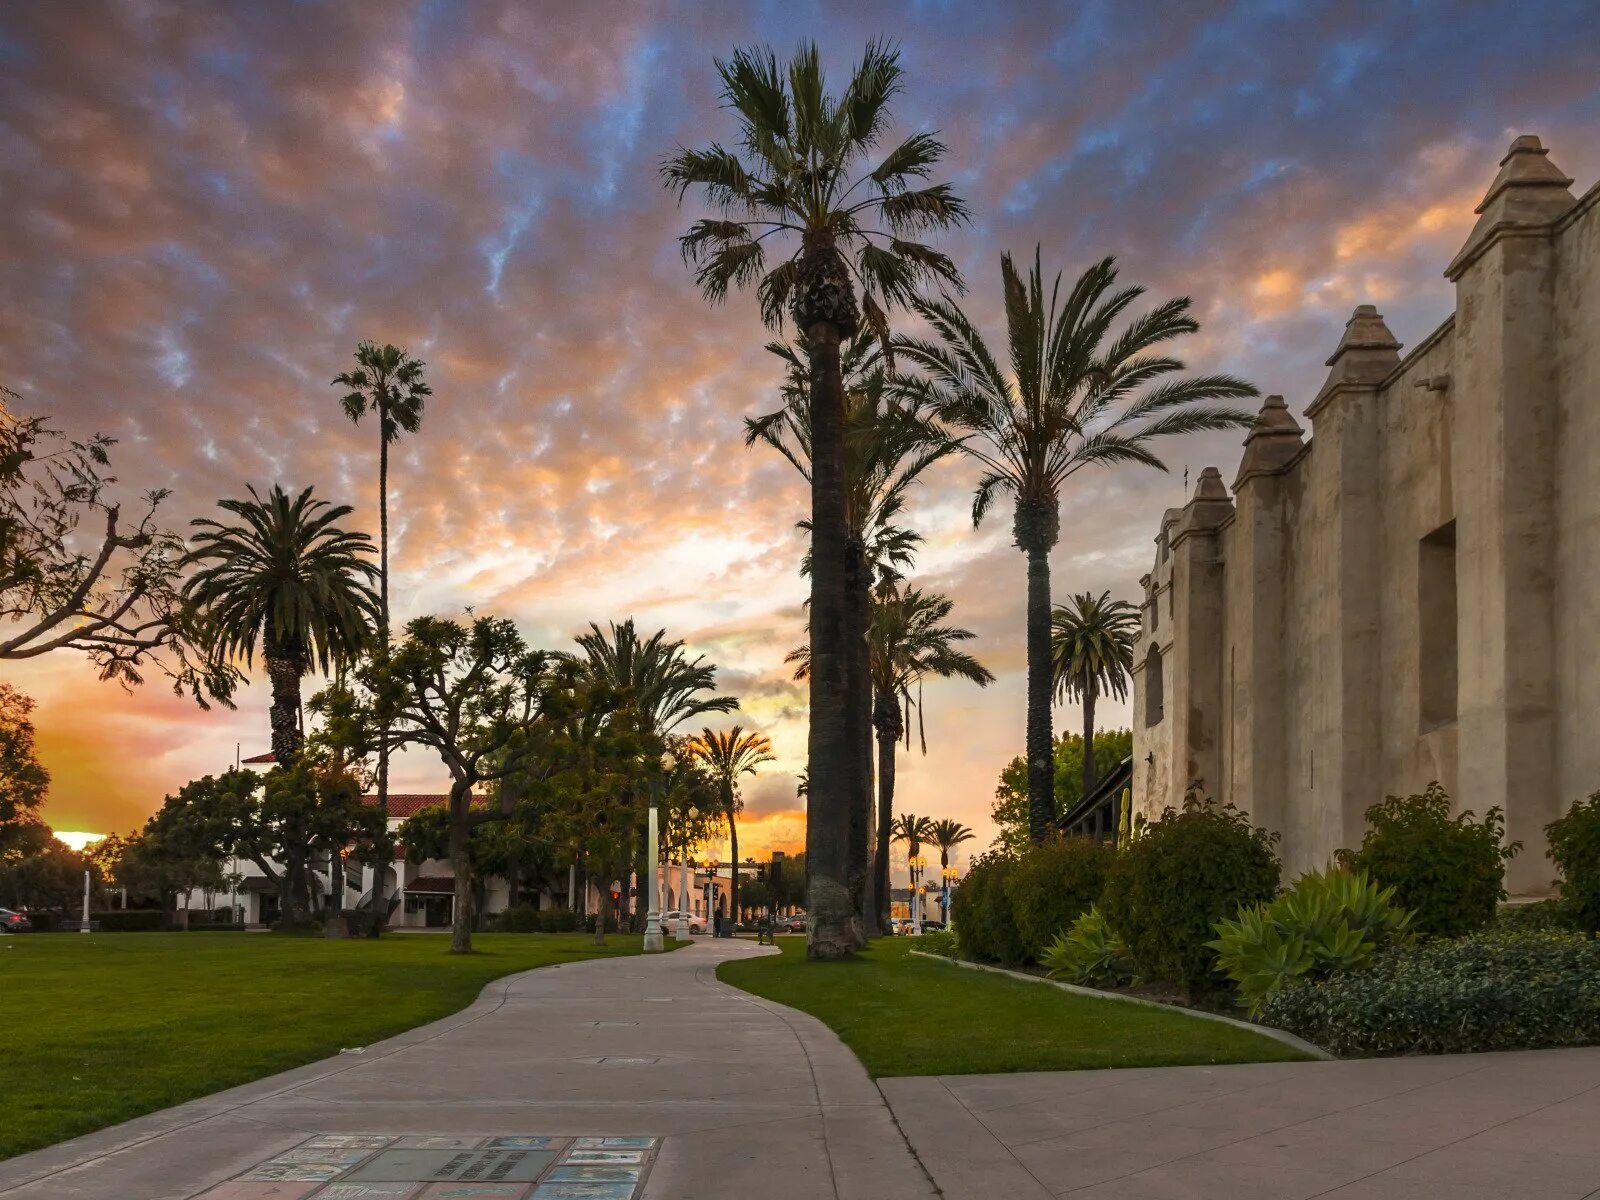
column 259, row 759
column 408, row 804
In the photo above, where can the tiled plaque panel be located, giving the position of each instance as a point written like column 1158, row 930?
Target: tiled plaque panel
column 422, row 1166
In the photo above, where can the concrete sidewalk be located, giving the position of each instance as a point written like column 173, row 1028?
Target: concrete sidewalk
column 1522, row 1126
column 749, row 1098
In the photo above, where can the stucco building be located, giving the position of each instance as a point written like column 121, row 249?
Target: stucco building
column 1409, row 590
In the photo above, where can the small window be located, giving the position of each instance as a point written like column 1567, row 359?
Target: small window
column 1437, row 673
column 1154, row 688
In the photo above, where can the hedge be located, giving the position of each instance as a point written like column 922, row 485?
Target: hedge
column 1188, row 870
column 980, row 910
column 1051, row 885
column 1488, row 991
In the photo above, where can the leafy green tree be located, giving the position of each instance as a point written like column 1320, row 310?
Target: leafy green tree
column 798, row 180
column 40, row 873
column 287, row 579
column 729, row 755
column 1078, row 395
column 1091, row 653
column 24, row 782
column 485, row 703
column 151, row 869
column 78, row 573
column 1010, row 811
column 388, row 384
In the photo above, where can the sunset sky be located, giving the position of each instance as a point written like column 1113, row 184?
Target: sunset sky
column 204, row 207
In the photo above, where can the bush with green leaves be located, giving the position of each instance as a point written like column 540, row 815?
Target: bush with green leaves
column 936, row 941
column 1089, row 954
column 1186, row 871
column 980, row 910
column 1051, row 885
column 1449, row 871
column 1575, row 847
column 1328, row 921
column 1488, row 991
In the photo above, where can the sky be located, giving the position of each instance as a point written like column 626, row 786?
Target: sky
column 203, row 208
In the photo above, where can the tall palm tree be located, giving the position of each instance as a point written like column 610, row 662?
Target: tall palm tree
column 913, row 831
column 665, row 686
column 887, row 448
column 287, row 579
column 387, row 383
column 730, row 755
column 947, row 835
column 1091, row 655
column 800, row 178
column 1077, row 395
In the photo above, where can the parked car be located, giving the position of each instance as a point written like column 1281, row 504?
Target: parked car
column 669, row 923
column 899, row 926
column 14, row 922
column 793, row 923
column 929, row 926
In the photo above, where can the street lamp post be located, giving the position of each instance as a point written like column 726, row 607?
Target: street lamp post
column 653, row 942
column 916, row 863
column 84, row 928
column 950, row 874
column 681, row 932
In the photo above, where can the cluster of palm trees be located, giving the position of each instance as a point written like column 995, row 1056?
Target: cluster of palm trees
column 828, row 226
column 918, row 831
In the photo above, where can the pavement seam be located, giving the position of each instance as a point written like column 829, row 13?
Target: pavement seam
column 985, row 1127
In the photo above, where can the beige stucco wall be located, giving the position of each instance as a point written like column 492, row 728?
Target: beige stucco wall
column 1304, row 614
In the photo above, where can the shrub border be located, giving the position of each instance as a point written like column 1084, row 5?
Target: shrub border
column 1277, row 1035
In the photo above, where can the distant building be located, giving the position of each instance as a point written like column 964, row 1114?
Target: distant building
column 1413, row 592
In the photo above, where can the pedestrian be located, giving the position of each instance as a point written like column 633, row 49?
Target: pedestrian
column 716, row 924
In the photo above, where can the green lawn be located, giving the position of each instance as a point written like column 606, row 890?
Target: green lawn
column 909, row 1016
column 109, row 1026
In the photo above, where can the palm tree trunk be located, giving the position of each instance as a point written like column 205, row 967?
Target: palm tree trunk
column 461, row 867
column 832, row 762
column 283, row 674
column 888, row 744
column 1041, row 759
column 380, row 906
column 860, row 685
column 1088, row 738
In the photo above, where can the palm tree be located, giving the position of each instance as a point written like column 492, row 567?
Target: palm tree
column 887, row 448
column 947, row 835
column 287, row 579
column 912, row 830
column 665, row 687
column 1091, row 655
column 799, row 179
column 1076, row 396
column 730, row 755
column 387, row 382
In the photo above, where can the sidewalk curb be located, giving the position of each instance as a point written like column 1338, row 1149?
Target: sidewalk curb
column 1277, row 1035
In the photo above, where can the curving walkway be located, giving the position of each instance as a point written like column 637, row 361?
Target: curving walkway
column 748, row 1097
column 755, row 1100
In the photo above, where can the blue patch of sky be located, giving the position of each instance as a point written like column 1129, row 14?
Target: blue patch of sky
column 518, row 182
column 14, row 53
column 172, row 359
column 615, row 132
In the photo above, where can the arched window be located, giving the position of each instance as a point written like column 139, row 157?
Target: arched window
column 1154, row 688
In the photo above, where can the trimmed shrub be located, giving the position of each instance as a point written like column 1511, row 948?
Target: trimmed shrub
column 1575, row 847
column 936, row 941
column 558, row 920
column 1051, row 885
column 519, row 918
column 1089, row 954
column 980, row 909
column 1449, row 871
column 1328, row 921
column 1489, row 991
column 130, row 920
column 1185, row 872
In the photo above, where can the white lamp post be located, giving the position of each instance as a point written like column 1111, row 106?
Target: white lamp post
column 653, row 942
column 84, row 928
column 680, row 932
